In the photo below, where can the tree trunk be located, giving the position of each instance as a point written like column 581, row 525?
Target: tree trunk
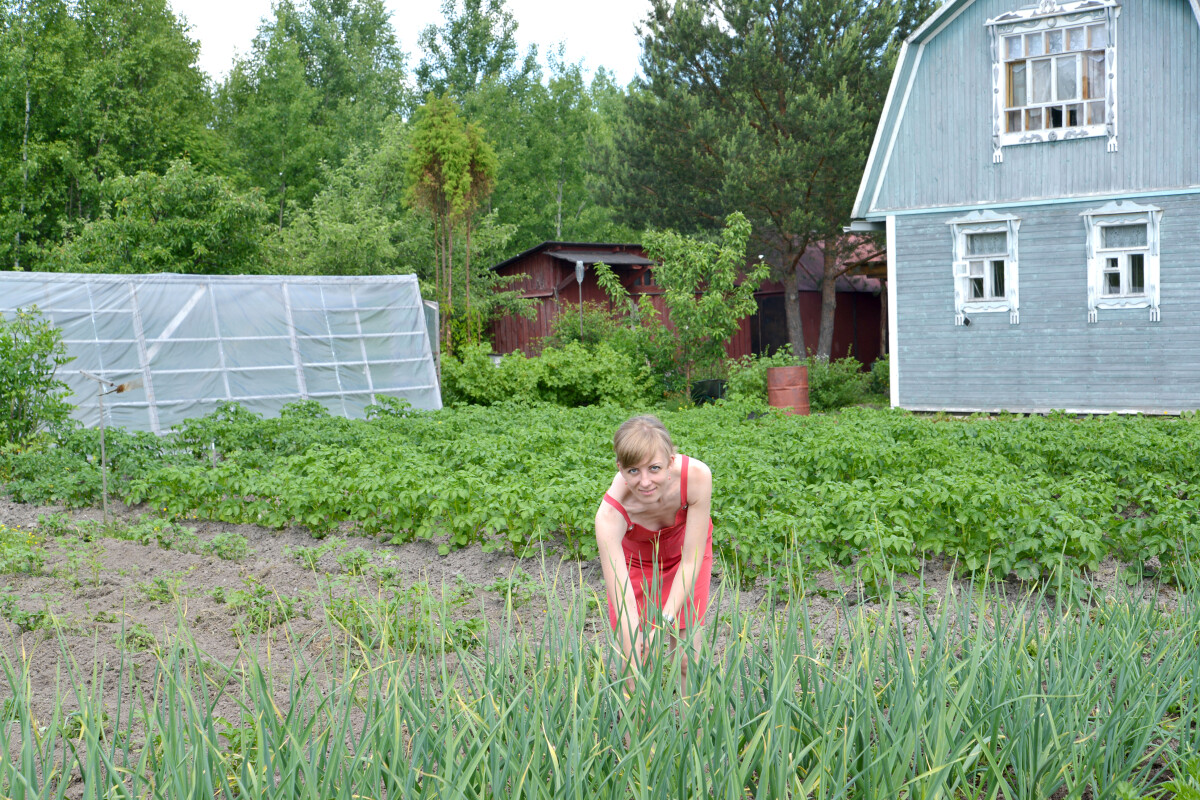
column 467, row 293
column 558, row 217
column 24, row 148
column 791, row 306
column 448, row 344
column 828, row 303
column 24, row 172
column 883, row 318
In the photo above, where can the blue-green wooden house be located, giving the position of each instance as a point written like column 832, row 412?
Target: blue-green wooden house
column 1037, row 171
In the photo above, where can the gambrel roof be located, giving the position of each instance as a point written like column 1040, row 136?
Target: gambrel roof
column 901, row 87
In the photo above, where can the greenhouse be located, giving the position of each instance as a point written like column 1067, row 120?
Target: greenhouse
column 170, row 347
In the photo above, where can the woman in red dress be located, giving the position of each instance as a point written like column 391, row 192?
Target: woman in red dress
column 654, row 533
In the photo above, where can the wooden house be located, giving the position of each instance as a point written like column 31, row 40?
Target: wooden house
column 547, row 275
column 1037, row 171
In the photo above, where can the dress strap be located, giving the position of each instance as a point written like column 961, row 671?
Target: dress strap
column 683, row 483
column 608, row 499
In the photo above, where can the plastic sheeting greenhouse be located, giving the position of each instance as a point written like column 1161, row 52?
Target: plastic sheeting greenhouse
column 186, row 343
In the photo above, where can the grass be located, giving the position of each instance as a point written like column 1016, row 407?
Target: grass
column 979, row 697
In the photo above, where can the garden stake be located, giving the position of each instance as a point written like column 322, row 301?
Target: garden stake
column 103, row 460
column 118, row 388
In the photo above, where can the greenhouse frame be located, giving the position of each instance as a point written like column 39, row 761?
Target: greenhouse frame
column 171, row 347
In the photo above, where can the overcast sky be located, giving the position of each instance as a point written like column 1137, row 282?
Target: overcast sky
column 597, row 32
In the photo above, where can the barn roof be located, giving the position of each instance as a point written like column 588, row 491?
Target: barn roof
column 588, row 252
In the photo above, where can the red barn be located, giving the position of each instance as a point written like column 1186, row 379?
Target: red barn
column 547, row 275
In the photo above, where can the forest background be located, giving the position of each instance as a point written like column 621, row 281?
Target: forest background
column 328, row 150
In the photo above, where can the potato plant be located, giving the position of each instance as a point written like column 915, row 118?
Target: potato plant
column 869, row 490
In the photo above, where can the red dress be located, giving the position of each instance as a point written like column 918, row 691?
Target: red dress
column 653, row 558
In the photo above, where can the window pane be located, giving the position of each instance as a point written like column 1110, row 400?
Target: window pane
column 1056, row 41
column 1098, row 34
column 1077, row 38
column 1137, row 273
column 1095, row 75
column 1124, row 236
column 1016, row 85
column 1074, row 115
column 1033, row 119
column 1034, row 45
column 1096, row 113
column 997, row 279
column 975, row 269
column 1112, row 283
column 1012, row 46
column 1068, row 85
column 1041, row 81
column 1054, row 117
column 979, row 244
column 1014, row 122
column 976, row 288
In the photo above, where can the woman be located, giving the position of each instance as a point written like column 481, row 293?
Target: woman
column 654, row 533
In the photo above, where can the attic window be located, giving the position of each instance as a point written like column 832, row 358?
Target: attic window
column 1054, row 75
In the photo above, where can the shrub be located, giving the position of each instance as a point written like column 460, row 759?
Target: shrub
column 637, row 333
column 572, row 375
column 599, row 325
column 831, row 384
column 31, row 397
column 880, row 381
column 473, row 378
column 835, row 383
column 748, row 374
column 578, row 376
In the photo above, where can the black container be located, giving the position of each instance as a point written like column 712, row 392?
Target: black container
column 707, row 391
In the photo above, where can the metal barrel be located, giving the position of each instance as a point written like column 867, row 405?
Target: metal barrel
column 787, row 387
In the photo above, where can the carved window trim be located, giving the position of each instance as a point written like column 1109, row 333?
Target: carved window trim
column 1115, row 214
column 984, row 222
column 1050, row 15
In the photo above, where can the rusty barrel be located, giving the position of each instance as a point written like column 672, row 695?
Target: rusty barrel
column 787, row 387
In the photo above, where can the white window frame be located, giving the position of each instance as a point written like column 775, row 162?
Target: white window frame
column 1116, row 214
column 1049, row 15
column 964, row 304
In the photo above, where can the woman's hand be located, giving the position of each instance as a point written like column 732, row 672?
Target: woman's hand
column 645, row 644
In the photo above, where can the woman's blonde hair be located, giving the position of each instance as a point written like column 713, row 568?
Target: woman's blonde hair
column 641, row 438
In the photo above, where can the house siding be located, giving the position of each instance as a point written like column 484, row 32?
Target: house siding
column 1052, row 359
column 942, row 156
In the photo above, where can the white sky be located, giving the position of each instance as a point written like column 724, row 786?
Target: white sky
column 597, row 32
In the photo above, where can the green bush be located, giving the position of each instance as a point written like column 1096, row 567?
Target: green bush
column 599, row 325
column 835, row 383
column 748, row 374
column 572, row 375
column 578, row 376
column 881, row 377
column 31, row 397
column 473, row 378
column 831, row 384
column 637, row 332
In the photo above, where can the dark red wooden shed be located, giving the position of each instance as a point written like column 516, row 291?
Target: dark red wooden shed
column 546, row 274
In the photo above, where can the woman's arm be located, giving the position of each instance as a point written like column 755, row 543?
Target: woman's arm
column 610, row 532
column 695, row 536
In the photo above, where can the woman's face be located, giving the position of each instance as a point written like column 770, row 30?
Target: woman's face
column 648, row 479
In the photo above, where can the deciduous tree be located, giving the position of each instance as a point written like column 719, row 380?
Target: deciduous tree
column 765, row 106
column 89, row 90
column 451, row 171
column 182, row 221
column 707, row 288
